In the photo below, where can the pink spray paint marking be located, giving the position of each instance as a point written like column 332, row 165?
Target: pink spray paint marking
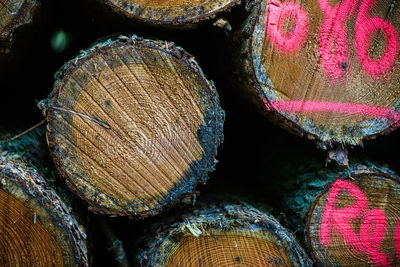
column 372, row 233
column 333, row 36
column 397, row 240
column 340, row 218
column 372, row 229
column 364, row 29
column 345, row 108
column 276, row 15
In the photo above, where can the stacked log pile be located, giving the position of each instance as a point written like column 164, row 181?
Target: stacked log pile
column 149, row 95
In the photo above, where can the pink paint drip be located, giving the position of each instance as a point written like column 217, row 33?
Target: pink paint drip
column 364, row 29
column 346, row 108
column 276, row 15
column 372, row 229
column 333, row 36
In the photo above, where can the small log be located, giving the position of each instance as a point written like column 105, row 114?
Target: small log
column 324, row 69
column 133, row 125
column 173, row 12
column 352, row 216
column 226, row 236
column 14, row 13
column 36, row 227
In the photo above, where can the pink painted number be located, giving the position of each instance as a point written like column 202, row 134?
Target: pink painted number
column 333, row 34
column 364, row 29
column 279, row 13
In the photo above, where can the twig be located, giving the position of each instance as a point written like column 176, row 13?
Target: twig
column 27, row 131
column 99, row 122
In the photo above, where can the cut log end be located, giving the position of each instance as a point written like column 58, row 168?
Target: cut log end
column 36, row 228
column 355, row 221
column 14, row 13
column 133, row 125
column 229, row 248
column 230, row 236
column 170, row 12
column 328, row 70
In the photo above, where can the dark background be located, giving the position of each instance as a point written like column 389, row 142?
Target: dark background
column 254, row 149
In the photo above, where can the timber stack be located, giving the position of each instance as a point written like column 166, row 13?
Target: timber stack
column 134, row 126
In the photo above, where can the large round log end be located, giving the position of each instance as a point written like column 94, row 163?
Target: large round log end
column 327, row 69
column 133, row 125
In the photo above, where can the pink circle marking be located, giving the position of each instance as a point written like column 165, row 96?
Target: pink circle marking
column 364, row 29
column 276, row 15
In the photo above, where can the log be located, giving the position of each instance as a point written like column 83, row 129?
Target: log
column 171, row 12
column 351, row 217
column 36, row 227
column 225, row 236
column 326, row 70
column 14, row 13
column 133, row 125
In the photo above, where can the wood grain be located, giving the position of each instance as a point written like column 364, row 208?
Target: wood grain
column 227, row 236
column 161, row 126
column 36, row 228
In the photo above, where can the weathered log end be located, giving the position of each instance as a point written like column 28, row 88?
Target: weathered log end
column 326, row 69
column 228, row 236
column 36, row 227
column 171, row 11
column 355, row 220
column 14, row 13
column 133, row 125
